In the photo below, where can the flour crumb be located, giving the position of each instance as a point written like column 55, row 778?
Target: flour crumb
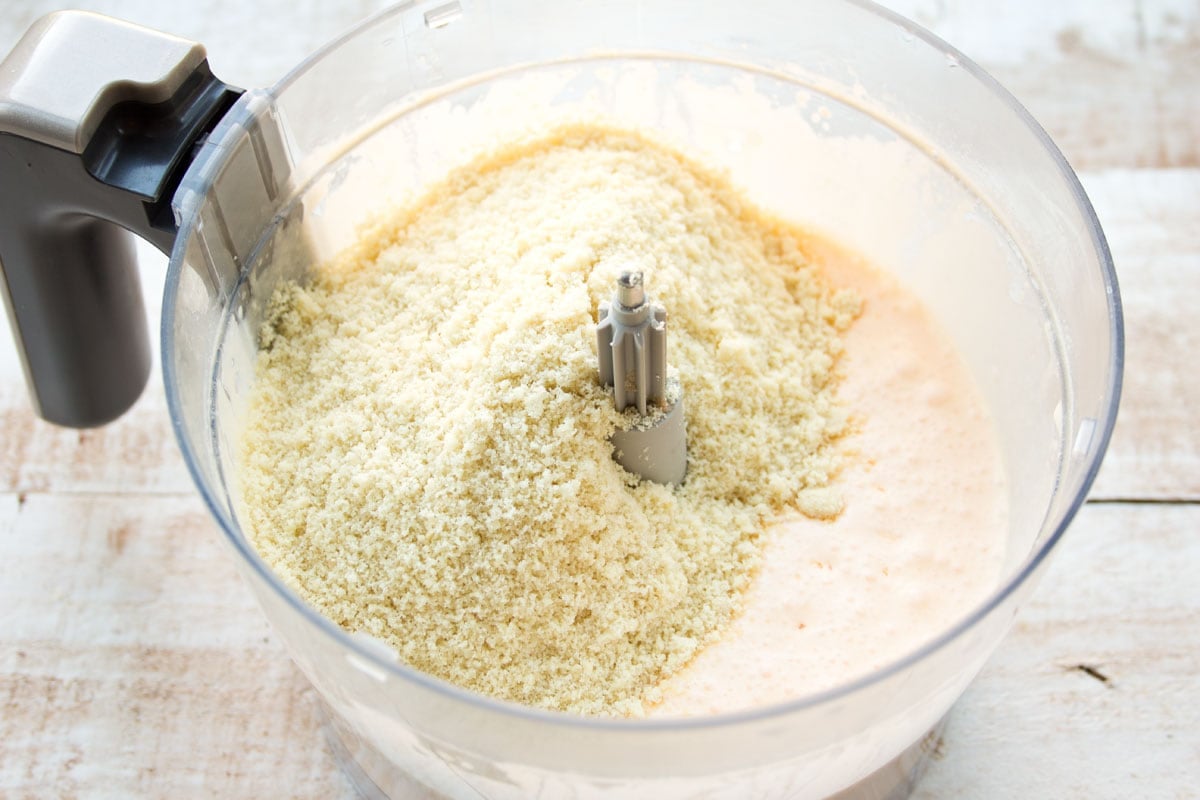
column 427, row 456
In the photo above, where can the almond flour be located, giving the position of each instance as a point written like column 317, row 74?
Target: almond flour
column 427, row 458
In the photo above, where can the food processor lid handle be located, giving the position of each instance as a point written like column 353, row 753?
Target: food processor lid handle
column 99, row 120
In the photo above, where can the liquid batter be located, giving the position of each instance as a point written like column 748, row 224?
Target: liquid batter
column 919, row 543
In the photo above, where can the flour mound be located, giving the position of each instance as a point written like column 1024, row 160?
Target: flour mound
column 427, row 457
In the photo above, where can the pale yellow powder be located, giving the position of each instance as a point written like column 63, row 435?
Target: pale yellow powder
column 427, row 458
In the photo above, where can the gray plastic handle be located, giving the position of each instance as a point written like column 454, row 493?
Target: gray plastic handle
column 98, row 121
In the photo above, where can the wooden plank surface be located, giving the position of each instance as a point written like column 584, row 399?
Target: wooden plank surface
column 1152, row 220
column 1094, row 694
column 133, row 663
column 136, row 664
column 1114, row 82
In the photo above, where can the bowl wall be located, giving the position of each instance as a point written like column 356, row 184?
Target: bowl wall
column 833, row 114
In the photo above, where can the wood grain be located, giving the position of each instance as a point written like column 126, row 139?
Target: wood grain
column 1094, row 693
column 136, row 664
column 1115, row 83
column 1152, row 220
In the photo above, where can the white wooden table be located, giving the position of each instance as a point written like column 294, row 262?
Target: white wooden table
column 133, row 663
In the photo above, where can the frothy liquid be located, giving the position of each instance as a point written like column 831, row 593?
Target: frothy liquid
column 919, row 544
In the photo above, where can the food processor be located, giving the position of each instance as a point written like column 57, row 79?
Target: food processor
column 835, row 114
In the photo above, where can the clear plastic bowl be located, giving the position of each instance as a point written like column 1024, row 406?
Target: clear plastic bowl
column 834, row 113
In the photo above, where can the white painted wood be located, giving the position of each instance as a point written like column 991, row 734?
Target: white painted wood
column 1121, row 599
column 1116, row 83
column 1152, row 220
column 134, row 663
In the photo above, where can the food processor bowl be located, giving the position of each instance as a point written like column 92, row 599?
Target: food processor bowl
column 834, row 114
